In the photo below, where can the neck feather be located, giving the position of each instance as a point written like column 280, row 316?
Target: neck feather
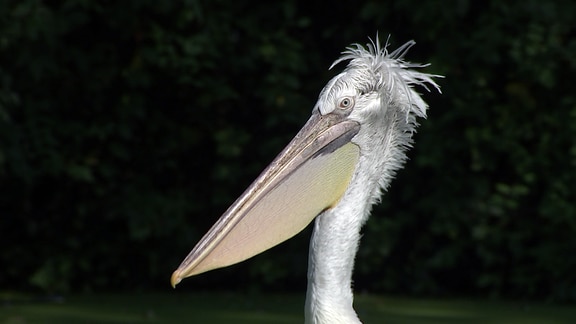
column 333, row 248
column 336, row 235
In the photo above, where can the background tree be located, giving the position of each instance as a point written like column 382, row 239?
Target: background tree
column 127, row 128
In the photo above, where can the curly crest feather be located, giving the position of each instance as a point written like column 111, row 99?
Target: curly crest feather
column 389, row 72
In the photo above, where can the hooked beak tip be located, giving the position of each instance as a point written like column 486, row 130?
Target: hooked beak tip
column 175, row 279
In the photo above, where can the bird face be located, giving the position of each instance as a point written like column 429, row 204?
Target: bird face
column 358, row 93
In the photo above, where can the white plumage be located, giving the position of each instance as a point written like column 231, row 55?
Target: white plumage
column 386, row 107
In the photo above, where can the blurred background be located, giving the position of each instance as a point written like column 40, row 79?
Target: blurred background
column 128, row 127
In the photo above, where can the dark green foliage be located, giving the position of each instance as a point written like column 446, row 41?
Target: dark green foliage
column 127, row 128
column 254, row 308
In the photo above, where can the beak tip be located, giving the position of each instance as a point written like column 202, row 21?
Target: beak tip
column 175, row 279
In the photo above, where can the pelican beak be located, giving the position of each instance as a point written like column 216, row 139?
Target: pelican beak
column 309, row 176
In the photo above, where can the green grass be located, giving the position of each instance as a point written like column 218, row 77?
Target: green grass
column 179, row 307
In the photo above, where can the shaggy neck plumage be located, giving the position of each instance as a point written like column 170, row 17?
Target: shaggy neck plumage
column 336, row 233
column 384, row 137
column 329, row 295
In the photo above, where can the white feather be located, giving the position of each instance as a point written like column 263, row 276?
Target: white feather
column 386, row 107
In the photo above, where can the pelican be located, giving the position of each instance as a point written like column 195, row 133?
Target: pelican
column 333, row 171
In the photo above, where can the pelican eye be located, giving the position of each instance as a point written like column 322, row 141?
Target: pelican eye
column 346, row 103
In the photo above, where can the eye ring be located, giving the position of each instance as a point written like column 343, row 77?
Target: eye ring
column 346, row 103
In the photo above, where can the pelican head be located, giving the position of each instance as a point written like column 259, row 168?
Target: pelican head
column 333, row 171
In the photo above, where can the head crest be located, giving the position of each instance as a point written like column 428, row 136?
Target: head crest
column 388, row 72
